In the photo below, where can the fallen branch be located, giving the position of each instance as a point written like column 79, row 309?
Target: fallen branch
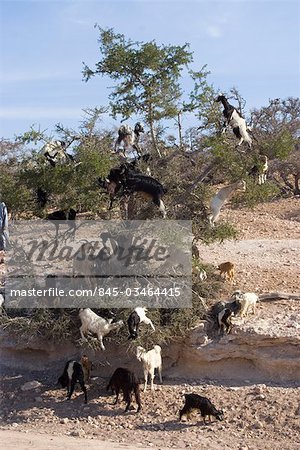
column 278, row 296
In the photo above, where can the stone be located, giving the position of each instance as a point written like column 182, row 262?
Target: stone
column 31, row 385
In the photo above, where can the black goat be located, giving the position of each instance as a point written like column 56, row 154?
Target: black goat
column 42, row 197
column 126, row 381
column 224, row 320
column 235, row 120
column 60, row 216
column 73, row 373
column 128, row 178
column 203, row 404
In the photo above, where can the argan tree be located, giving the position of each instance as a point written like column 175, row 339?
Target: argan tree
column 146, row 75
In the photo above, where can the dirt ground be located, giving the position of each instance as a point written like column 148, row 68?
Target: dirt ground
column 265, row 416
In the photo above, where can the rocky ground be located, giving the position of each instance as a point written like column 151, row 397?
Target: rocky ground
column 264, row 416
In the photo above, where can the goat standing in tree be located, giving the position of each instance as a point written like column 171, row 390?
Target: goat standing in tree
column 235, row 120
column 129, row 137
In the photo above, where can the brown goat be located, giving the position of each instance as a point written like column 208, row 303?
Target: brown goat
column 86, row 367
column 227, row 270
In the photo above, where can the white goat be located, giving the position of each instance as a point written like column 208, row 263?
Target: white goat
column 222, row 197
column 95, row 324
column 151, row 360
column 1, row 300
column 247, row 300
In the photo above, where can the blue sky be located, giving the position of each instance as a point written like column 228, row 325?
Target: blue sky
column 252, row 45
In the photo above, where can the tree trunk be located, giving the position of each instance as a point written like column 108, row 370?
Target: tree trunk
column 153, row 137
column 297, row 188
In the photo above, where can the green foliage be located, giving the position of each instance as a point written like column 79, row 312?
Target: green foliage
column 256, row 194
column 147, row 75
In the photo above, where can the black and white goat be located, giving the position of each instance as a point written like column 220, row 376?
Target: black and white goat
column 137, row 317
column 126, row 381
column 129, row 137
column 235, row 120
column 260, row 169
column 203, row 405
column 55, row 151
column 73, row 373
column 131, row 180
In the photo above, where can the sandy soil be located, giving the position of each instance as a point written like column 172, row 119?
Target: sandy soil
column 256, row 416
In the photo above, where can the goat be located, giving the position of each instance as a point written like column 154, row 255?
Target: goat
column 151, row 360
column 222, row 197
column 227, row 270
column 224, row 320
column 73, row 373
column 83, row 264
column 42, row 197
column 260, row 169
column 247, row 300
column 91, row 322
column 55, row 150
column 203, row 404
column 129, row 137
column 132, row 181
column 236, row 121
column 126, row 381
column 135, row 319
column 62, row 215
column 86, row 367
column 1, row 301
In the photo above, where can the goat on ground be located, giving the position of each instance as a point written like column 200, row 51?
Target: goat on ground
column 236, row 121
column 91, row 322
column 224, row 320
column 151, row 360
column 83, row 263
column 247, row 300
column 227, row 270
column 260, row 170
column 126, row 381
column 61, row 216
column 129, row 137
column 86, row 367
column 72, row 374
column 222, row 197
column 137, row 317
column 203, row 405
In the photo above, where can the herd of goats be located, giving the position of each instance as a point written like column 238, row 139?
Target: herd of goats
column 128, row 179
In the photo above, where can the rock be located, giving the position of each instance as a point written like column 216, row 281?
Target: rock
column 38, row 399
column 31, row 385
column 258, row 425
column 64, row 420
